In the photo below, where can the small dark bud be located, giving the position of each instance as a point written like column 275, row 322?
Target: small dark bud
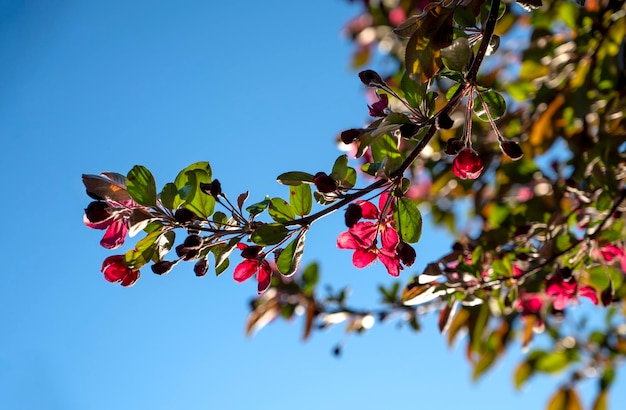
column 444, row 121
column 97, row 211
column 371, row 79
column 185, row 253
column 184, row 215
column 454, row 146
column 324, row 183
column 354, row 212
column 406, row 253
column 162, row 267
column 201, row 267
column 192, row 242
column 351, row 135
column 214, row 188
column 251, row 252
column 408, row 131
column 511, row 149
column 566, row 273
column 522, row 230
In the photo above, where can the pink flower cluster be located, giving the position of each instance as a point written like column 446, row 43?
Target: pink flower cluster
column 362, row 237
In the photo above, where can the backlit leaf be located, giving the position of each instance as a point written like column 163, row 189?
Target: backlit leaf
column 141, row 186
column 289, row 259
column 269, row 234
column 301, row 199
column 281, row 211
column 408, row 220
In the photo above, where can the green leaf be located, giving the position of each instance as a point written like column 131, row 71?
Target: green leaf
column 350, row 179
column 269, row 234
column 484, row 363
column 464, row 17
column 456, row 56
column 494, row 102
column 385, row 151
column 310, row 277
column 200, row 203
column 564, row 399
column 168, row 195
column 301, row 199
column 413, row 90
column 295, row 178
column 281, row 211
column 200, row 172
column 552, row 362
column 408, row 220
column 599, row 277
column 340, row 168
column 522, row 373
column 289, row 259
column 259, row 207
column 221, row 253
column 143, row 252
column 141, row 186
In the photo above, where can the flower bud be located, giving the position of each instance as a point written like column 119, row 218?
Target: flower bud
column 184, row 215
column 454, row 145
column 354, row 212
column 467, row 164
column 201, row 267
column 162, row 267
column 511, row 149
column 324, row 183
column 97, row 211
column 378, row 108
column 185, row 253
column 371, row 79
column 406, row 253
column 444, row 121
column 214, row 188
column 351, row 135
column 251, row 252
column 408, row 131
column 193, row 242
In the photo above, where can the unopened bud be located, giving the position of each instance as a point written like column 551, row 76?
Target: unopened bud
column 408, row 131
column 162, row 267
column 351, row 135
column 251, row 252
column 201, row 267
column 454, row 146
column 185, row 253
column 511, row 149
column 354, row 212
column 214, row 188
column 444, row 121
column 406, row 253
column 193, row 242
column 324, row 183
column 184, row 215
column 97, row 211
column 371, row 79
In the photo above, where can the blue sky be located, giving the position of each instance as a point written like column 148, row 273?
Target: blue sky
column 257, row 89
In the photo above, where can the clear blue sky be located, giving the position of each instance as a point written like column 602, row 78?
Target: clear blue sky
column 256, row 88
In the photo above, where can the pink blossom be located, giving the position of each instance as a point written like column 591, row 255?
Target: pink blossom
column 115, row 270
column 111, row 216
column 564, row 291
column 254, row 262
column 362, row 238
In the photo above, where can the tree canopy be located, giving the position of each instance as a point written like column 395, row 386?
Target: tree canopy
column 506, row 115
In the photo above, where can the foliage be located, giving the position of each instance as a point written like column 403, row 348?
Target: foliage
column 534, row 138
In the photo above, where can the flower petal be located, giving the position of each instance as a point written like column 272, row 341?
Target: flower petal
column 369, row 210
column 346, row 240
column 589, row 293
column 115, row 234
column 364, row 233
column 391, row 263
column 245, row 270
column 264, row 276
column 389, row 238
column 363, row 257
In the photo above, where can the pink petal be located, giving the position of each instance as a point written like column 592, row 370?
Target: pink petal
column 347, row 241
column 245, row 270
column 560, row 302
column 590, row 293
column 97, row 225
column 391, row 263
column 369, row 210
column 362, row 258
column 114, row 236
column 264, row 276
column 364, row 233
column 130, row 278
column 389, row 238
